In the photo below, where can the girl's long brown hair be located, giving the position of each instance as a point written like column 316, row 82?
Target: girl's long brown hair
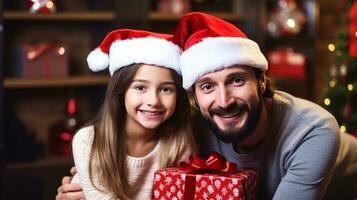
column 108, row 153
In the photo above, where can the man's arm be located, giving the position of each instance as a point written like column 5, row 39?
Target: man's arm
column 70, row 190
column 309, row 167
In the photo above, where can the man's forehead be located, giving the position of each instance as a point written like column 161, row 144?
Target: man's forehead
column 227, row 70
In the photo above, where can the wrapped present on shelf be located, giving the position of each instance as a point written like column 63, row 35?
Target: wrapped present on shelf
column 213, row 178
column 48, row 59
column 286, row 63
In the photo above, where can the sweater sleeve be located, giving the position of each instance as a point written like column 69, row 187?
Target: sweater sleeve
column 82, row 143
column 309, row 168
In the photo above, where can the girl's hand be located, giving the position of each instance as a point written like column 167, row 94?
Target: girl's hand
column 70, row 190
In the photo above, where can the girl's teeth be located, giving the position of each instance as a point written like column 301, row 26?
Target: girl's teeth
column 150, row 113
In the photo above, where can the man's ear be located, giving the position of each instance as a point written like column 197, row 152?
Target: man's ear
column 263, row 82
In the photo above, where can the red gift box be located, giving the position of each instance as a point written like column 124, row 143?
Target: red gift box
column 213, row 178
column 42, row 60
column 286, row 63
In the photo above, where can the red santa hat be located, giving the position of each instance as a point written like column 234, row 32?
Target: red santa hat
column 123, row 47
column 210, row 43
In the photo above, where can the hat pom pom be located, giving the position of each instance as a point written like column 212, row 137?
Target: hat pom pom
column 97, row 60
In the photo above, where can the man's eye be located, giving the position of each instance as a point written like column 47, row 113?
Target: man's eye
column 237, row 81
column 206, row 87
column 167, row 89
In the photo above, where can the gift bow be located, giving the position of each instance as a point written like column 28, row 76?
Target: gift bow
column 215, row 162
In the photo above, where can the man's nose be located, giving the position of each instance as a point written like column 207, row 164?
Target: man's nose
column 224, row 98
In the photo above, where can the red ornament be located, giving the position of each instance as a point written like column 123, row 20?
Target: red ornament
column 286, row 19
column 353, row 30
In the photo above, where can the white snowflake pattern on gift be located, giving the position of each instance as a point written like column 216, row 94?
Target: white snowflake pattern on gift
column 174, row 198
column 236, row 192
column 230, row 186
column 203, row 183
column 161, row 186
column 230, row 198
column 198, row 189
column 157, row 177
column 183, row 177
column 217, row 184
column 179, row 195
column 234, row 181
column 224, row 191
column 162, row 198
column 198, row 178
column 156, row 193
column 168, row 180
column 168, row 194
column 210, row 189
column 173, row 189
column 178, row 183
column 205, row 195
column 211, row 178
column 219, row 197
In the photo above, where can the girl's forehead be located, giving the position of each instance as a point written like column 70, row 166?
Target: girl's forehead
column 154, row 73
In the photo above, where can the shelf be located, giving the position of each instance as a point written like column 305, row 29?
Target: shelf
column 102, row 16
column 75, row 81
column 159, row 16
column 60, row 16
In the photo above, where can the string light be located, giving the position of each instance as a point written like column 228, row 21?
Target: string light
column 331, row 47
column 343, row 70
column 343, row 128
column 332, row 83
column 327, row 101
column 350, row 87
column 61, row 50
column 49, row 5
column 291, row 23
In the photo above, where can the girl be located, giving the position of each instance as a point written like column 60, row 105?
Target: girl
column 143, row 124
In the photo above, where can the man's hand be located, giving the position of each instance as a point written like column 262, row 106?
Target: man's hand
column 68, row 190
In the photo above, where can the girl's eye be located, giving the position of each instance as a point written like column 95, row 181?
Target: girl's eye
column 139, row 88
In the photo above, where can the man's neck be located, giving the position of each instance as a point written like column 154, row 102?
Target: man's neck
column 260, row 132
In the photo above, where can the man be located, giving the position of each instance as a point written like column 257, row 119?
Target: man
column 295, row 145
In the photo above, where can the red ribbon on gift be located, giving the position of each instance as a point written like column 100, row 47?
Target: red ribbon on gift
column 215, row 162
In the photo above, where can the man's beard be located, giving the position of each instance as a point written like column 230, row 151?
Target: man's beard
column 233, row 134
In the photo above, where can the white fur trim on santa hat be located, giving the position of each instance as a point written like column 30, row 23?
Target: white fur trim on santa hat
column 97, row 60
column 148, row 50
column 216, row 53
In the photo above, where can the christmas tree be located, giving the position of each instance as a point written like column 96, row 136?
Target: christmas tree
column 340, row 97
